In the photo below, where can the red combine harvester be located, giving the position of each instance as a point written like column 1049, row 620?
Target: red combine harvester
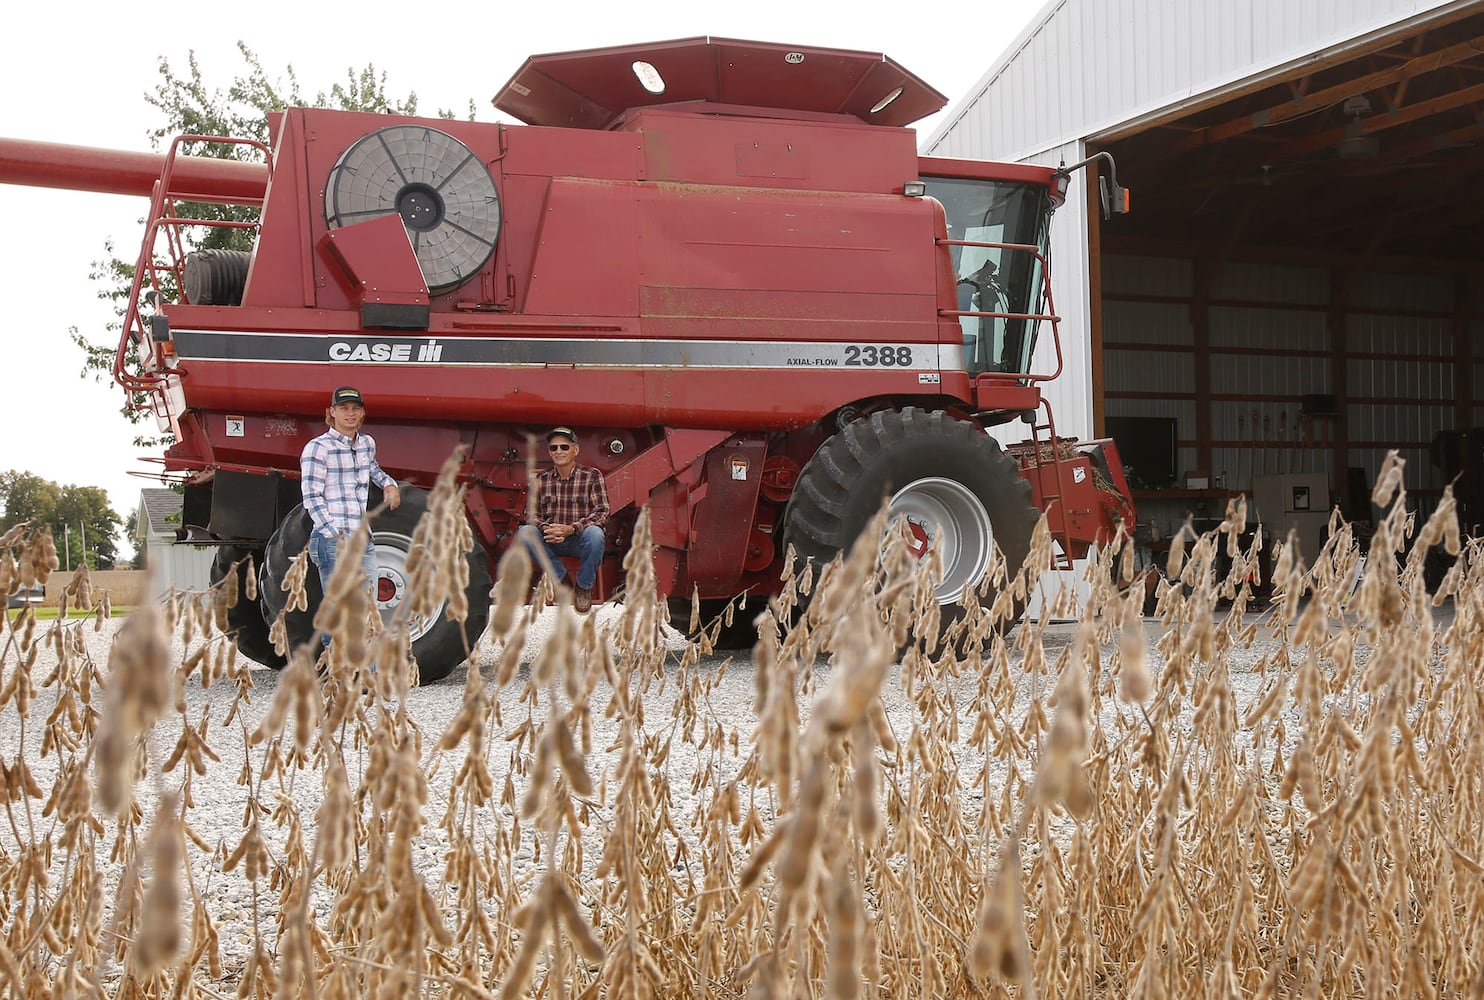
column 724, row 262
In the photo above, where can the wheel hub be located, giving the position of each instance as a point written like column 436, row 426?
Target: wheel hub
column 389, row 588
column 945, row 515
column 391, row 582
column 920, row 539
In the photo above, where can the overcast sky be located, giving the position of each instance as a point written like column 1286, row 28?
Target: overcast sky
column 66, row 81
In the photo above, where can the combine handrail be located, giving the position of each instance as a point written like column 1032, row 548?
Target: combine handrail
column 162, row 215
column 1049, row 316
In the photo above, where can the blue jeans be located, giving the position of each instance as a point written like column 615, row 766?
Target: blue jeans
column 323, row 552
column 586, row 545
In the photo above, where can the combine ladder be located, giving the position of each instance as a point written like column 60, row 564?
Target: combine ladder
column 1051, row 491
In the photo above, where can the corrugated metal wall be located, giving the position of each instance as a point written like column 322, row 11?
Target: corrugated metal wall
column 179, row 567
column 1274, row 311
column 1270, row 346
column 1086, row 66
column 1418, row 376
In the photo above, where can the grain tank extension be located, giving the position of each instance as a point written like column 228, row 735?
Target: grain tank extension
column 723, row 262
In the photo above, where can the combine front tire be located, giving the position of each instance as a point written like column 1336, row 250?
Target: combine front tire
column 245, row 619
column 959, row 492
column 437, row 642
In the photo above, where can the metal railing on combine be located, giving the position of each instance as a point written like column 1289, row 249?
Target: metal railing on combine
column 1032, row 454
column 1048, row 316
column 166, row 277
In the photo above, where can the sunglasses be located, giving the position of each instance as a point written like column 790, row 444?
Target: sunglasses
column 558, row 447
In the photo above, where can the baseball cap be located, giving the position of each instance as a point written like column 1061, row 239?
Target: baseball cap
column 346, row 394
column 565, row 432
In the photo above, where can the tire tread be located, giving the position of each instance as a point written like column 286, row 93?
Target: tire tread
column 831, row 501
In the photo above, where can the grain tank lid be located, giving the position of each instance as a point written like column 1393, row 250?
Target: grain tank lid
column 593, row 87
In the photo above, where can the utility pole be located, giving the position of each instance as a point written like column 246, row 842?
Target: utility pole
column 67, row 543
column 82, row 527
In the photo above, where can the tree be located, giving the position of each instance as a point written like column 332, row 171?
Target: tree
column 132, row 527
column 190, row 107
column 82, row 523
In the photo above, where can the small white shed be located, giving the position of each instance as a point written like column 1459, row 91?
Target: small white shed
column 171, row 566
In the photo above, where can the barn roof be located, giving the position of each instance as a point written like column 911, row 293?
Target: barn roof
column 162, row 509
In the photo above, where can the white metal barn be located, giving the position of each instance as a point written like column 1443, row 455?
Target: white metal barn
column 1299, row 286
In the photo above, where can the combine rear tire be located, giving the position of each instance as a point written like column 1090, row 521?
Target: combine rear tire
column 245, row 619
column 958, row 490
column 291, row 538
column 437, row 643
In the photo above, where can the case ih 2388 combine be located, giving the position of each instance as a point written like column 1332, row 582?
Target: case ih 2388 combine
column 723, row 262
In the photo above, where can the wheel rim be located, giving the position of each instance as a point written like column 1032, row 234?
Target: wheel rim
column 392, row 581
column 946, row 515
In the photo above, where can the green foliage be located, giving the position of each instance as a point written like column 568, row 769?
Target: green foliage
column 188, row 105
column 140, row 550
column 82, row 523
column 113, row 276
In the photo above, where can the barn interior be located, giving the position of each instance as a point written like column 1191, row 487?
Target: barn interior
column 1297, row 288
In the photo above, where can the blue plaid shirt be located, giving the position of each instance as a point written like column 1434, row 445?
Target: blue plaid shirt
column 336, row 472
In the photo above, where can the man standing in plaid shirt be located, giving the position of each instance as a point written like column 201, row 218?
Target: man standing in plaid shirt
column 336, row 469
column 571, row 509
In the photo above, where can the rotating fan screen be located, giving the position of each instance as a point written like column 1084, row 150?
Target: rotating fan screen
column 442, row 191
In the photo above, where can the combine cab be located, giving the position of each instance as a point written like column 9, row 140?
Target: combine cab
column 723, row 262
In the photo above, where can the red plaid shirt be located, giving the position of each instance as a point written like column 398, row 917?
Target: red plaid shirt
column 579, row 500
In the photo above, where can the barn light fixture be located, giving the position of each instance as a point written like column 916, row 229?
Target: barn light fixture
column 886, row 100
column 649, row 78
column 1357, row 145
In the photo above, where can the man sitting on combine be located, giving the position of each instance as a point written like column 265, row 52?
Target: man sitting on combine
column 571, row 509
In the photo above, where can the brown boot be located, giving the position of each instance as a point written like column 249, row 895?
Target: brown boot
column 583, row 601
